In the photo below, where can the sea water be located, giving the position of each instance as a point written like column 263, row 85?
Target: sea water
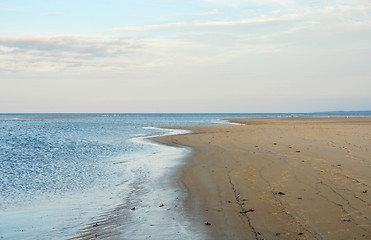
column 69, row 175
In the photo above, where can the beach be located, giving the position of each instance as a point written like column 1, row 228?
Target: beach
column 299, row 178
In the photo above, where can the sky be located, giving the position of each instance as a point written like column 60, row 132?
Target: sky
column 185, row 56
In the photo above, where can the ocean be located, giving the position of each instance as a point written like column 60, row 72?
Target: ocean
column 69, row 175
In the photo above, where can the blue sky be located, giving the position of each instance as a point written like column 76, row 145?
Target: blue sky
column 185, row 56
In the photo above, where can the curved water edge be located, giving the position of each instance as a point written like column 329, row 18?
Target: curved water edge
column 227, row 122
column 154, row 208
column 58, row 171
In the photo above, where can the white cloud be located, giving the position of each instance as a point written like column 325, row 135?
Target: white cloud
column 236, row 3
column 344, row 13
column 89, row 46
column 212, row 12
column 178, row 25
column 188, row 43
column 53, row 14
column 68, row 53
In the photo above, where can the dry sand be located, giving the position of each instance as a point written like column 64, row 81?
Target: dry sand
column 281, row 178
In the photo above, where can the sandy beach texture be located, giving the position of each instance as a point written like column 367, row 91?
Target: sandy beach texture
column 280, row 178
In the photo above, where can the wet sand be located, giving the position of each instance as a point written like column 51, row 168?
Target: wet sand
column 280, row 178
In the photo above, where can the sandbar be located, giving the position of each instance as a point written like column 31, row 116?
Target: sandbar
column 280, row 178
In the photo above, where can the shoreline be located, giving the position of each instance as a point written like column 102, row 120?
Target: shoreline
column 154, row 209
column 295, row 178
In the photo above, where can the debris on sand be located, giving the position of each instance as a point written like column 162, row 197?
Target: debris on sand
column 279, row 193
column 248, row 210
